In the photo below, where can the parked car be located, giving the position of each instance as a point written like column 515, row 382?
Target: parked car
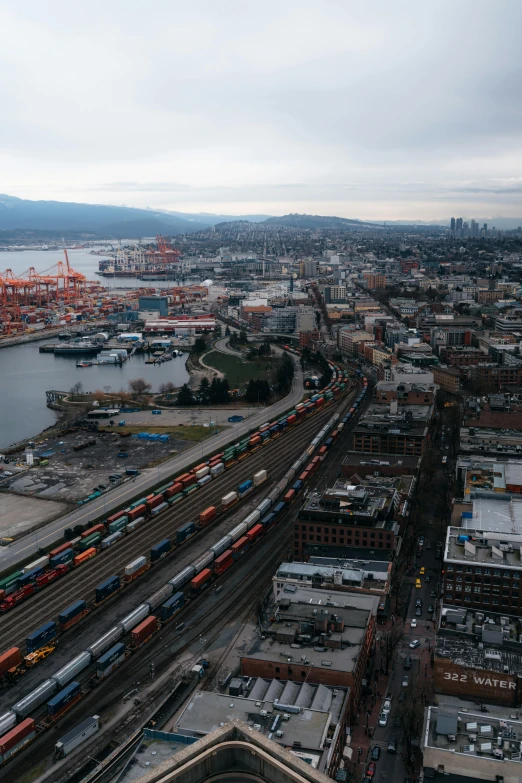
column 422, row 571
column 433, row 594
column 376, row 752
column 427, row 578
column 431, row 608
column 418, row 602
column 370, row 772
column 407, row 662
column 405, row 681
column 418, row 612
column 415, row 643
column 386, row 707
column 418, row 584
column 383, row 718
column 413, row 623
column 392, row 746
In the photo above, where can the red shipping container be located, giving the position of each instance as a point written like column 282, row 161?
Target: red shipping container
column 254, row 532
column 153, row 502
column 175, row 489
column 92, row 530
column 182, row 478
column 187, row 482
column 316, row 460
column 9, row 659
column 207, row 515
column 201, row 579
column 290, row 495
column 199, row 467
column 292, row 419
column 303, row 476
column 84, row 556
column 322, row 452
column 144, row 631
column 139, row 511
column 16, row 735
column 59, row 549
column 255, row 441
column 223, row 562
column 239, row 547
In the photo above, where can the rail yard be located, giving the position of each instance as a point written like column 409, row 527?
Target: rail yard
column 156, row 596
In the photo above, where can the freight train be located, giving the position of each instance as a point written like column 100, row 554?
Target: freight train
column 108, row 651
column 20, row 585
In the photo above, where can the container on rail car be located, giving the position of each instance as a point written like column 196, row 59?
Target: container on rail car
column 143, row 632
column 159, row 550
column 110, row 540
column 260, row 477
column 245, row 487
column 42, row 562
column 110, row 660
column 134, row 524
column 158, row 509
column 159, row 596
column 201, row 580
column 172, row 606
column 7, row 721
column 10, row 660
column 135, row 568
column 25, row 706
column 41, row 636
column 220, row 546
column 83, row 556
column 228, row 500
column 207, row 515
column 217, row 470
column 134, row 617
column 105, row 641
column 58, row 703
column 72, row 614
column 73, row 668
column 223, row 562
column 186, row 531
column 182, row 578
column 107, row 588
column 16, row 739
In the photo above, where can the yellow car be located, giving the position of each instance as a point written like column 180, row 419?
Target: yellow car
column 422, row 571
column 418, row 583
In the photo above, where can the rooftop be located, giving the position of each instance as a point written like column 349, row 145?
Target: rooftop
column 411, row 419
column 372, row 503
column 357, row 458
column 491, row 628
column 473, row 734
column 480, row 546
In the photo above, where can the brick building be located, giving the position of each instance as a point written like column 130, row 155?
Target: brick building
column 448, row 378
column 391, row 430
column 405, row 393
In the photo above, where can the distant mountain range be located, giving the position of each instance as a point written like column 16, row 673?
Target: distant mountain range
column 100, row 220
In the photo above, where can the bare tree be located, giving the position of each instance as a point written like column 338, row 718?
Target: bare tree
column 167, row 388
column 77, row 388
column 390, row 640
column 139, row 386
column 411, row 717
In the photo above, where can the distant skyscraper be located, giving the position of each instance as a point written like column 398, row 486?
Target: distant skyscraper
column 474, row 228
column 459, row 224
column 452, row 225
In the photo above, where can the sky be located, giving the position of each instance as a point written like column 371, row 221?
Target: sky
column 373, row 110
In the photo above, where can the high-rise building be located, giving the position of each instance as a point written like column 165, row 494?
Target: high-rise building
column 458, row 225
column 452, row 224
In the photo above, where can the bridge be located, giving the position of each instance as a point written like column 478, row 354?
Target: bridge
column 55, row 396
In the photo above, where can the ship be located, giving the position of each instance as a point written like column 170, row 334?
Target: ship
column 162, row 263
column 72, row 348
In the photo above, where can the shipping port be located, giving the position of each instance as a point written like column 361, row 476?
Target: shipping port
column 145, row 263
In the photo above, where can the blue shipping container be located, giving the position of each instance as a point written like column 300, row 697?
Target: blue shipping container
column 173, row 605
column 158, row 550
column 30, row 576
column 185, row 531
column 71, row 611
column 244, row 487
column 268, row 519
column 106, row 588
column 61, row 557
column 110, row 658
column 279, row 508
column 297, row 485
column 41, row 636
column 64, row 697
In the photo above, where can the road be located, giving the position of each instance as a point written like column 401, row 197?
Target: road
column 133, row 488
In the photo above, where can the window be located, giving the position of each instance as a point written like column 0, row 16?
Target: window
column 277, row 669
column 477, row 589
column 494, row 600
column 469, row 569
column 478, row 570
column 487, row 571
column 467, row 588
column 496, row 572
column 303, row 536
column 303, row 674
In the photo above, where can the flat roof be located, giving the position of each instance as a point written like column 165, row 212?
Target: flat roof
column 371, row 565
column 343, row 659
column 358, row 458
column 484, row 547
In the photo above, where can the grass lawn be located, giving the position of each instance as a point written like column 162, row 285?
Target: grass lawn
column 240, row 371
column 183, row 432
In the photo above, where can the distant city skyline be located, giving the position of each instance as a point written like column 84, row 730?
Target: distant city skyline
column 379, row 113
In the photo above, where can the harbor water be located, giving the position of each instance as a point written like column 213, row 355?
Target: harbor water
column 27, row 374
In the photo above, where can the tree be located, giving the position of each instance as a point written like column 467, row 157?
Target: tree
column 167, row 389
column 204, row 391
column 219, row 392
column 285, row 374
column 68, row 533
column 243, row 336
column 257, row 391
column 139, row 386
column 185, row 396
column 217, row 331
column 227, row 331
column 318, row 318
column 411, row 718
column 76, row 389
column 199, row 345
column 390, row 641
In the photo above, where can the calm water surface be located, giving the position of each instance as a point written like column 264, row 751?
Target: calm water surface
column 26, row 374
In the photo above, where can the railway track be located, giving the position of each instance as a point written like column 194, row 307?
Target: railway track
column 243, row 588
column 47, row 604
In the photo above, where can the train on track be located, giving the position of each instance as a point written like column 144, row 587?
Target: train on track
column 61, row 690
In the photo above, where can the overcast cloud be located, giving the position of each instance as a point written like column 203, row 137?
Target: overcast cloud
column 392, row 109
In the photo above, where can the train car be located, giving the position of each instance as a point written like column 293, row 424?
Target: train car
column 110, row 540
column 118, row 524
column 16, row 739
column 172, row 606
column 207, row 516
column 84, row 556
column 59, row 549
column 304, row 476
column 290, row 496
column 107, row 588
column 65, row 556
column 143, row 632
column 217, row 469
column 229, row 500
column 41, row 637
column 223, row 562
column 51, row 575
column 12, row 600
column 322, row 452
column 110, row 660
column 159, row 509
column 115, row 516
column 240, row 547
column 138, row 511
column 185, row 532
column 10, row 583
column 245, row 488
column 10, row 660
column 253, row 533
column 91, row 541
column 30, row 576
column 134, row 524
column 153, row 502
column 260, row 477
column 72, row 614
column 93, row 530
column 292, row 419
column 297, row 485
column 158, row 551
column 200, row 580
column 175, row 499
column 188, row 481
column 189, row 490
